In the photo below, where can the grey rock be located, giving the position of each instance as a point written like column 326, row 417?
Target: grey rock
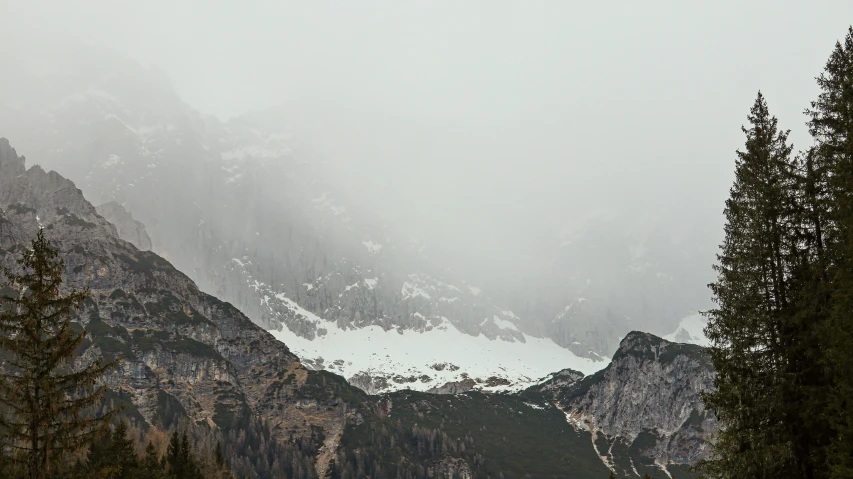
column 179, row 344
column 454, row 387
column 128, row 228
column 651, row 391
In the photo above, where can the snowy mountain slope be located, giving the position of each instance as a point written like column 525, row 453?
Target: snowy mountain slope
column 379, row 360
column 691, row 331
column 251, row 217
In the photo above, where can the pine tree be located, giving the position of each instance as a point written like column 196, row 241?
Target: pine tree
column 151, row 467
column 112, row 455
column 173, row 455
column 831, row 125
column 182, row 464
column 218, row 457
column 48, row 399
column 753, row 295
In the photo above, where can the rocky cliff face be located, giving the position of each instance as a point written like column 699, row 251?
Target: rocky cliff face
column 189, row 356
column 128, row 228
column 253, row 222
column 186, row 354
column 646, row 403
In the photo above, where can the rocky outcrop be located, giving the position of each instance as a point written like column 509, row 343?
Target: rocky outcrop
column 185, row 354
column 128, row 228
column 454, row 387
column 648, row 398
column 189, row 356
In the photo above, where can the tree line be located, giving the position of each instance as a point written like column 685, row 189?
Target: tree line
column 782, row 326
column 54, row 420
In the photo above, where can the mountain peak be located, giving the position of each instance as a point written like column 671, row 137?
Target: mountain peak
column 10, row 162
column 648, row 347
column 128, row 228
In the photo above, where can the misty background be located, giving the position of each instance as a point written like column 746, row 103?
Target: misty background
column 522, row 145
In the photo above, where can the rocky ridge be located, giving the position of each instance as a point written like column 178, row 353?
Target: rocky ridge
column 190, row 356
column 128, row 228
column 646, row 403
column 252, row 219
column 186, row 355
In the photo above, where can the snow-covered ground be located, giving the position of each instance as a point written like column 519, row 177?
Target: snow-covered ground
column 690, row 330
column 435, row 357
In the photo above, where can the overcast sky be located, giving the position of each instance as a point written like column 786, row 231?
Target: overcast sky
column 492, row 120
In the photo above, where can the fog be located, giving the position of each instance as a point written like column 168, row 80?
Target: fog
column 489, row 130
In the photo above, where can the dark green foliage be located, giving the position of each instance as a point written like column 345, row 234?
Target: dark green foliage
column 21, row 209
column 73, row 220
column 180, row 461
column 495, row 435
column 831, row 125
column 784, row 323
column 151, row 466
column 753, row 293
column 111, row 456
column 47, row 402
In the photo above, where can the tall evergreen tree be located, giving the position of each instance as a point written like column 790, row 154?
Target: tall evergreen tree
column 112, row 456
column 753, row 295
column 152, row 468
column 182, row 464
column 48, row 399
column 831, row 125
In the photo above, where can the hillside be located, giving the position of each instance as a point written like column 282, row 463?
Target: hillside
column 191, row 357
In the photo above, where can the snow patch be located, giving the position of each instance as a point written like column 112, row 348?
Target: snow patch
column 407, row 353
column 410, row 290
column 690, row 330
column 503, row 324
column 372, row 247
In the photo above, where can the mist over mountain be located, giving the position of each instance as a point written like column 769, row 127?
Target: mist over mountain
column 342, row 199
column 262, row 218
column 388, row 239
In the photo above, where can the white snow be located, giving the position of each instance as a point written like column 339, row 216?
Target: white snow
column 692, row 326
column 254, row 151
column 371, row 282
column 112, row 160
column 503, row 324
column 411, row 353
column 324, row 202
column 410, row 290
column 349, row 287
column 372, row 247
column 475, row 291
column 399, row 353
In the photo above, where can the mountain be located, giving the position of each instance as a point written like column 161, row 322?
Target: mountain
column 190, row 359
column 230, row 204
column 644, row 407
column 128, row 228
column 246, row 210
column 186, row 354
